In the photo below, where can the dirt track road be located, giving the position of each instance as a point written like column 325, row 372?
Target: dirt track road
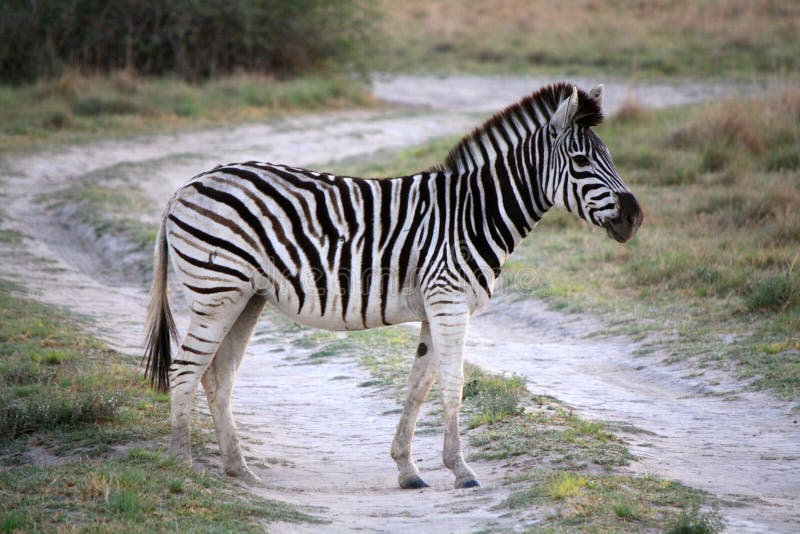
column 332, row 436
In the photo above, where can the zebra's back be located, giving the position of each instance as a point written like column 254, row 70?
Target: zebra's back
column 328, row 251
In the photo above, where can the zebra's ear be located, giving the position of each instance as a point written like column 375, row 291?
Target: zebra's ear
column 597, row 94
column 565, row 112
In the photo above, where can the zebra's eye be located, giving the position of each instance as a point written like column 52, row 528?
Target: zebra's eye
column 581, row 160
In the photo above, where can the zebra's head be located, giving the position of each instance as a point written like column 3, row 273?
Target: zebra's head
column 583, row 179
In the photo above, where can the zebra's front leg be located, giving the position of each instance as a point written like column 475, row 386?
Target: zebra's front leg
column 448, row 324
column 423, row 372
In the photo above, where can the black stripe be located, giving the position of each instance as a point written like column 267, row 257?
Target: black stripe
column 365, row 278
column 194, row 351
column 200, row 339
column 211, row 266
column 386, row 188
column 210, row 290
column 216, row 241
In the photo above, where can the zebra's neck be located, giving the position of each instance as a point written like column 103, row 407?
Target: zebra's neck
column 497, row 179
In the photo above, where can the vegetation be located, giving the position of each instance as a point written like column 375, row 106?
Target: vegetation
column 734, row 38
column 565, row 501
column 715, row 268
column 80, row 439
column 181, row 38
column 76, row 107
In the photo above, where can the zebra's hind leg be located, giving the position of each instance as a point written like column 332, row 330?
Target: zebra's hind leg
column 218, row 383
column 206, row 332
column 423, row 372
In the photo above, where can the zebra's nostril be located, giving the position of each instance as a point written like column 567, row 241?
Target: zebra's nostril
column 631, row 219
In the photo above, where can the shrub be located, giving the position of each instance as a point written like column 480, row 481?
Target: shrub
column 92, row 106
column 54, row 409
column 193, row 39
column 772, row 292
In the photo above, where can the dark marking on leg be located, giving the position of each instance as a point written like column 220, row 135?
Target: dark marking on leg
column 200, row 339
column 195, row 351
column 422, row 350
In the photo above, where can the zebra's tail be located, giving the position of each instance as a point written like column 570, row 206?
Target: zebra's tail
column 160, row 325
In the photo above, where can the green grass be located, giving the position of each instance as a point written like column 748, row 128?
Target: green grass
column 717, row 255
column 564, row 485
column 79, row 407
column 133, row 493
column 714, row 38
column 492, row 398
column 77, row 108
column 564, row 501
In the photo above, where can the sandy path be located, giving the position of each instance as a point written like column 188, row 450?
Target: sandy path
column 333, row 433
column 742, row 446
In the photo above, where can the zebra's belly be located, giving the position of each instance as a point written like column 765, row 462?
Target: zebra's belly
column 333, row 319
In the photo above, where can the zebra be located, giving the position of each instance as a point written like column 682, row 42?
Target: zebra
column 347, row 253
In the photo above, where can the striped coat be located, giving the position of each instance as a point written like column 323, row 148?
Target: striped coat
column 351, row 253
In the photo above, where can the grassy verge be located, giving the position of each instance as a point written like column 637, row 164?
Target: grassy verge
column 565, row 473
column 76, row 108
column 80, row 440
column 714, row 273
column 733, row 38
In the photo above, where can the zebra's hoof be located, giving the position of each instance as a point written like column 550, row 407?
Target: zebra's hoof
column 244, row 474
column 469, row 483
column 414, row 483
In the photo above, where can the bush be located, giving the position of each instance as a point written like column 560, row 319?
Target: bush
column 192, row 39
column 772, row 292
column 54, row 409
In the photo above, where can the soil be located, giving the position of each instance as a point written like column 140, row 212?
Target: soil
column 318, row 439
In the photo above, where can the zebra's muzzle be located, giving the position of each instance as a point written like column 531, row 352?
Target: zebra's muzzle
column 628, row 221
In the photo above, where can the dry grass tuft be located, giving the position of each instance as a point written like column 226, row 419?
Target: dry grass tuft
column 631, row 111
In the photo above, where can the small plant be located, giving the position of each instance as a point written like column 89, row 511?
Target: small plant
column 564, row 485
column 580, row 427
column 13, row 521
column 494, row 397
column 772, row 292
column 688, row 524
column 175, row 486
column 126, row 502
column 624, row 508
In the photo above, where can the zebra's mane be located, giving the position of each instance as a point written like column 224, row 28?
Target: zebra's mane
column 534, row 111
